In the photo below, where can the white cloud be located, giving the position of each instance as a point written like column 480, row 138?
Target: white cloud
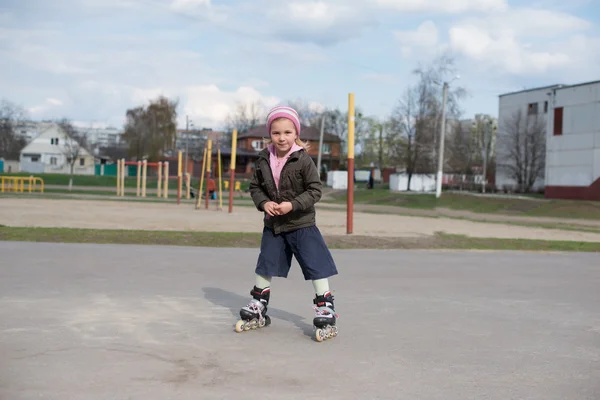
column 504, row 50
column 319, row 14
column 187, row 4
column 446, row 6
column 518, row 41
column 317, row 21
column 54, row 102
column 425, row 37
column 48, row 104
column 209, row 105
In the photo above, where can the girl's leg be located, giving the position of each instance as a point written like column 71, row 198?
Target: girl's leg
column 321, row 286
column 263, row 281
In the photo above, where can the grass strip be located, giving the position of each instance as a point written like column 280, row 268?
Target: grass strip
column 252, row 240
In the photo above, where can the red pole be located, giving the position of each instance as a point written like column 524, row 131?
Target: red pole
column 350, row 202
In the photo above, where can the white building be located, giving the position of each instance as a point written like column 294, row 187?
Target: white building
column 529, row 105
column 50, row 153
column 570, row 115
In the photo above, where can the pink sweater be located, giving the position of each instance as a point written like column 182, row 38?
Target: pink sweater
column 276, row 164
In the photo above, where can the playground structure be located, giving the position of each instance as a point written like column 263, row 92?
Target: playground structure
column 206, row 173
column 162, row 169
column 17, row 184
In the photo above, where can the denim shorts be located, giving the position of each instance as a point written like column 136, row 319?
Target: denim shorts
column 306, row 244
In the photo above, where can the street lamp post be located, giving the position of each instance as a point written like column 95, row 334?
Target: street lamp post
column 438, row 189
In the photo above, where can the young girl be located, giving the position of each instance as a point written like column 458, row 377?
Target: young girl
column 285, row 186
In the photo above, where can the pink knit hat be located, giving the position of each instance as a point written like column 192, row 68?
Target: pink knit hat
column 283, row 112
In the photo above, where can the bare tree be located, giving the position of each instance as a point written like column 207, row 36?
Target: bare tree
column 245, row 117
column 74, row 146
column 462, row 149
column 415, row 121
column 11, row 116
column 523, row 148
column 484, row 129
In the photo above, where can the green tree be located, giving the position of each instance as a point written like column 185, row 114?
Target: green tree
column 151, row 130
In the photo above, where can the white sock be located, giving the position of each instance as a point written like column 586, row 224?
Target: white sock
column 262, row 281
column 321, row 286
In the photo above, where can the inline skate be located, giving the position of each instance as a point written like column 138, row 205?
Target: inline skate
column 254, row 315
column 325, row 318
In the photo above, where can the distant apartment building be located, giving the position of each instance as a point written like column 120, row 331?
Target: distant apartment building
column 571, row 118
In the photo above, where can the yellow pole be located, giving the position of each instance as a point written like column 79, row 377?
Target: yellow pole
column 118, row 177
column 350, row 194
column 232, row 169
column 199, row 196
column 166, row 178
column 139, row 178
column 159, row 174
column 144, row 172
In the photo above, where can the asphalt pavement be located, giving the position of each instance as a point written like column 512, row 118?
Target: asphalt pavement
column 85, row 321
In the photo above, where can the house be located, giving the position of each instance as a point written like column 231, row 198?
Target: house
column 49, row 153
column 573, row 142
column 251, row 142
column 570, row 118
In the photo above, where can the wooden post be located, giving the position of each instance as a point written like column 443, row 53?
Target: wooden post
column 159, row 184
column 201, row 180
column 232, row 169
column 166, row 178
column 144, row 172
column 118, row 177
column 139, row 178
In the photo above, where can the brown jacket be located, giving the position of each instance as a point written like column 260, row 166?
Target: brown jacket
column 299, row 184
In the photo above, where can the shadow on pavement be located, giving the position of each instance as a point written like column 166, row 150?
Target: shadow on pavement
column 234, row 302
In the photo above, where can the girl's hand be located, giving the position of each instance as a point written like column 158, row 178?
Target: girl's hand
column 284, row 207
column 270, row 208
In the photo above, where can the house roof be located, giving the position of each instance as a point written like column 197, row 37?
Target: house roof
column 557, row 85
column 306, row 133
column 42, row 144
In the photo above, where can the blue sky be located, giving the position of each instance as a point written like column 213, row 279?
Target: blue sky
column 90, row 60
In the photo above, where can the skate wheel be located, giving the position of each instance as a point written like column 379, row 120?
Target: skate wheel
column 254, row 324
column 320, row 335
column 239, row 326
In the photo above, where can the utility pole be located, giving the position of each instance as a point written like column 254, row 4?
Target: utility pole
column 438, row 189
column 320, row 144
column 381, row 147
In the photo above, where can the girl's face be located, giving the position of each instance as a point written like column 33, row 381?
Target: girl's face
column 283, row 135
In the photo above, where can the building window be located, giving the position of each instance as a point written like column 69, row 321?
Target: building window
column 258, row 144
column 558, row 121
column 326, row 149
column 53, row 160
column 532, row 109
column 81, row 162
column 546, row 107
